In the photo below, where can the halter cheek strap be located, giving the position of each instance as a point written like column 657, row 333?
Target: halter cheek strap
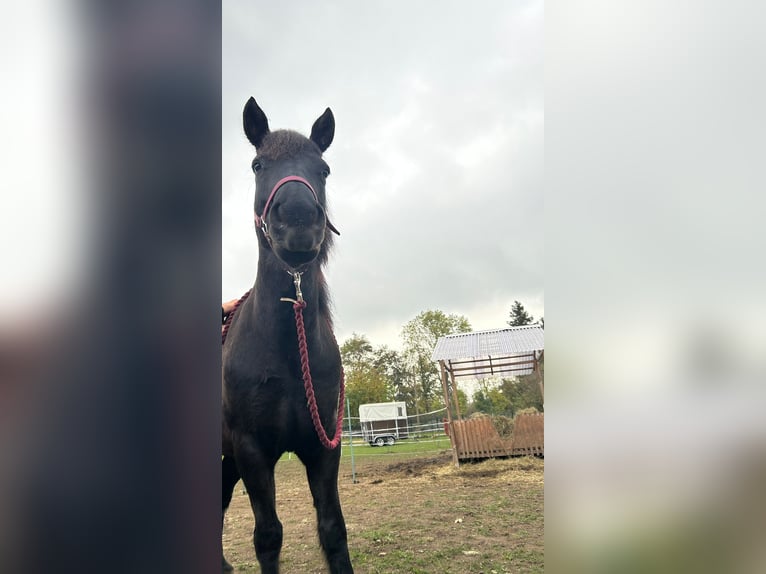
column 260, row 220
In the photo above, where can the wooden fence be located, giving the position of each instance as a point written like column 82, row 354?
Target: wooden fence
column 528, row 435
column 478, row 438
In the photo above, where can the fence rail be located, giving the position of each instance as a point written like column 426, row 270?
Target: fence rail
column 412, row 430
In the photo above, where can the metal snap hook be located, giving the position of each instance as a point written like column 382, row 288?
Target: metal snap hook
column 296, row 275
column 297, row 281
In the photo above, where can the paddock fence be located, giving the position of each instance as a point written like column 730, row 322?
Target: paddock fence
column 431, row 438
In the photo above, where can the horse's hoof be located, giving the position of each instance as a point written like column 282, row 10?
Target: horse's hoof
column 226, row 566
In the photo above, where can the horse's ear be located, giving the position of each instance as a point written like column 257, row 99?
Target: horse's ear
column 323, row 130
column 255, row 122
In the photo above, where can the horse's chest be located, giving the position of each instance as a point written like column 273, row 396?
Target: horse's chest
column 264, row 394
column 265, row 397
column 274, row 409
column 260, row 389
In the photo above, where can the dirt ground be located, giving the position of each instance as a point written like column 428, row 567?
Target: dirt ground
column 409, row 515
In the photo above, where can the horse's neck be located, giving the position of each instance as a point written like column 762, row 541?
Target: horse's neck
column 272, row 284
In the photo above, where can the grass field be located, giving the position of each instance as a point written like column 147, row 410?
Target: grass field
column 407, row 447
column 410, row 511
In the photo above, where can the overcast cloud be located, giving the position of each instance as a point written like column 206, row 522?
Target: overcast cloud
column 437, row 162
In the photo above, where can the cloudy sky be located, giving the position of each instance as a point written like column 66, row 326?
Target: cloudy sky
column 437, row 162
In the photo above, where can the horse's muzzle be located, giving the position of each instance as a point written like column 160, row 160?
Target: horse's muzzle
column 295, row 259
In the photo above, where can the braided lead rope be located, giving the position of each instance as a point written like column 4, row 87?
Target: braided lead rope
column 230, row 316
column 298, row 307
column 308, row 384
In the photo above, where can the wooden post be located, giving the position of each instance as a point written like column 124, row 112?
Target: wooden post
column 454, row 394
column 541, row 382
column 455, row 459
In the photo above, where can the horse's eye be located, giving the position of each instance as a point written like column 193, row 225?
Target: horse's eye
column 325, row 173
column 257, row 166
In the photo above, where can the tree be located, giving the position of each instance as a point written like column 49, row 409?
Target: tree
column 491, row 399
column 355, row 352
column 392, row 365
column 519, row 315
column 419, row 337
column 481, row 402
column 366, row 385
column 522, row 392
column 462, row 401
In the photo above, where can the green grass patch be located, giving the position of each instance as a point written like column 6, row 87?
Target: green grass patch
column 404, row 447
column 407, row 446
column 530, row 560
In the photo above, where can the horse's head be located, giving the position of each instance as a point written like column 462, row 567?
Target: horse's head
column 290, row 177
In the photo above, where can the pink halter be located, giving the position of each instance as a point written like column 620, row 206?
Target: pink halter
column 260, row 221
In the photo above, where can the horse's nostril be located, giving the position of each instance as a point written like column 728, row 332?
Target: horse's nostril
column 276, row 212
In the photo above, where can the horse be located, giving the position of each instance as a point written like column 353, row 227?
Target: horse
column 284, row 319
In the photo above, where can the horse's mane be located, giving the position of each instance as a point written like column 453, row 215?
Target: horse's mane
column 325, row 303
column 281, row 144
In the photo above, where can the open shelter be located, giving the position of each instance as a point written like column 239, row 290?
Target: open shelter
column 512, row 351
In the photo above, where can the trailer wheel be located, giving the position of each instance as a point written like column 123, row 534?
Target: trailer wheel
column 379, row 441
column 390, row 441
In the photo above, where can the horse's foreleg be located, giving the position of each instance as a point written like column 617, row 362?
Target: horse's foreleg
column 322, row 473
column 258, row 475
column 229, row 478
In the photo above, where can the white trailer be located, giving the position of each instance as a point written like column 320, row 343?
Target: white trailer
column 383, row 423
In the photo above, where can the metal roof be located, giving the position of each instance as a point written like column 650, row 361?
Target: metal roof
column 494, row 343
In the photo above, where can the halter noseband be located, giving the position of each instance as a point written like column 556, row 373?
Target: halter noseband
column 260, row 220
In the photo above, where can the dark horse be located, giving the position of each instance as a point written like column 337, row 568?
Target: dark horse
column 265, row 410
